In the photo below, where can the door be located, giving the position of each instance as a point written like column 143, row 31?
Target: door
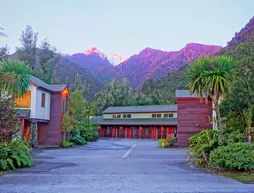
column 128, row 133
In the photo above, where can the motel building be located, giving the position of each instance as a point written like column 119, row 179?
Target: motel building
column 189, row 116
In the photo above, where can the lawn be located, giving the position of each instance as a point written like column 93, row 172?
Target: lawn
column 242, row 177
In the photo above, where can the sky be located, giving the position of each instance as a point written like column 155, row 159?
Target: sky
column 124, row 27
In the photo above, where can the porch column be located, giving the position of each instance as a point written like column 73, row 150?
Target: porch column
column 116, row 131
column 125, row 132
column 22, row 128
column 156, row 129
column 167, row 132
column 34, row 134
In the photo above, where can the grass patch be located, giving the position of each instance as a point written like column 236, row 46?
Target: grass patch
column 1, row 173
column 241, row 177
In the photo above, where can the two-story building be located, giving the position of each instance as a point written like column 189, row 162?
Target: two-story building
column 41, row 110
column 189, row 116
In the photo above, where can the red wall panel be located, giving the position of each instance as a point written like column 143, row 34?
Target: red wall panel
column 192, row 117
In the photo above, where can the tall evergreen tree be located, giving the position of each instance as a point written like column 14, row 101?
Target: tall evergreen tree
column 28, row 50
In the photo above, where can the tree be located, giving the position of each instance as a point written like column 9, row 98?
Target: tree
column 14, row 77
column 2, row 34
column 68, row 123
column 48, row 58
column 212, row 76
column 28, row 51
column 3, row 53
column 78, row 103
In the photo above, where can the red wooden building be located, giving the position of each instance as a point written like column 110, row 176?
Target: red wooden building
column 189, row 116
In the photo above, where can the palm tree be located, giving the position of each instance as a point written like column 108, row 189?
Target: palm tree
column 212, row 76
column 1, row 33
column 14, row 77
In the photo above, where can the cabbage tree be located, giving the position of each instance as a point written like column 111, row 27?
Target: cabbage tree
column 212, row 76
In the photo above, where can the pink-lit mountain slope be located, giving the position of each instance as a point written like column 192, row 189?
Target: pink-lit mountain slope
column 151, row 63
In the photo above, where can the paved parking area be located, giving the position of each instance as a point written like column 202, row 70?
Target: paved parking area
column 110, row 166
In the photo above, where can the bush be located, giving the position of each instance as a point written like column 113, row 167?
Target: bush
column 201, row 144
column 235, row 137
column 66, row 144
column 15, row 155
column 90, row 135
column 236, row 156
column 78, row 140
column 168, row 142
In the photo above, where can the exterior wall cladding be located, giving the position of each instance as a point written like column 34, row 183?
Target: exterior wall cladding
column 50, row 133
column 193, row 116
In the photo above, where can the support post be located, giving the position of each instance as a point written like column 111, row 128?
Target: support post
column 22, row 128
column 167, row 132
column 34, row 134
column 116, row 131
column 125, row 132
column 156, row 129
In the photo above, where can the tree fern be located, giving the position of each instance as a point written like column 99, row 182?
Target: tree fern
column 3, row 164
column 10, row 163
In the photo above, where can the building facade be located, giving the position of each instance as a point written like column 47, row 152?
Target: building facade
column 189, row 116
column 40, row 111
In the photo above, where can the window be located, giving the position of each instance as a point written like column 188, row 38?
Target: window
column 124, row 116
column 118, row 116
column 153, row 115
column 168, row 115
column 158, row 115
column 114, row 116
column 43, row 96
column 129, row 116
column 165, row 116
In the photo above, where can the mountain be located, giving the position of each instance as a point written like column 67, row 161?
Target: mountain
column 241, row 48
column 66, row 73
column 152, row 63
column 95, row 62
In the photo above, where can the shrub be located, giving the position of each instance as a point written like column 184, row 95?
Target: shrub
column 201, row 144
column 235, row 137
column 168, row 142
column 15, row 155
column 78, row 140
column 236, row 156
column 66, row 144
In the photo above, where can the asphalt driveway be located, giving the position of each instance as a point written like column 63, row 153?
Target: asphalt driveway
column 109, row 166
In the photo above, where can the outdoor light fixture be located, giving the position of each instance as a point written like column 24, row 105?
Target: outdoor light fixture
column 197, row 124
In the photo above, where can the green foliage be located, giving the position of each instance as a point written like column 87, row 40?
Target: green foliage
column 78, row 140
column 88, row 131
column 212, row 76
column 66, row 144
column 234, row 137
column 236, row 105
column 201, row 144
column 28, row 51
column 15, row 155
column 168, row 142
column 236, row 156
column 78, row 105
column 68, row 123
column 3, row 53
column 14, row 77
column 48, row 59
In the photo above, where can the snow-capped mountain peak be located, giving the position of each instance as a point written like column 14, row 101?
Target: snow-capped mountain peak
column 95, row 51
column 114, row 59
